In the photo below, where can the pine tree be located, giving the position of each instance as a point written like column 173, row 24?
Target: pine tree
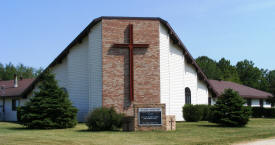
column 49, row 108
column 229, row 110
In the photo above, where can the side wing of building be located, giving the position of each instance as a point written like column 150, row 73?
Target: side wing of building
column 176, row 75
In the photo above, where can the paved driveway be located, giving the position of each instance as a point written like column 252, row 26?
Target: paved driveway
column 260, row 142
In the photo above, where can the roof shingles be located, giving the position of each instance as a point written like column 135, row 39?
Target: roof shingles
column 9, row 89
column 244, row 91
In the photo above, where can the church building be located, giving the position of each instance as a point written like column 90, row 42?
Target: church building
column 121, row 61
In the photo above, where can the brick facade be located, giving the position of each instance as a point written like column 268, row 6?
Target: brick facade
column 115, row 64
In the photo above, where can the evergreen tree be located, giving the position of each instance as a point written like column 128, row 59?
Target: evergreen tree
column 229, row 110
column 49, row 108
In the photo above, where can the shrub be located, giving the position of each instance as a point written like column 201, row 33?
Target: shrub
column 257, row 112
column 192, row 113
column 205, row 111
column 102, row 119
column 49, row 108
column 229, row 110
column 269, row 112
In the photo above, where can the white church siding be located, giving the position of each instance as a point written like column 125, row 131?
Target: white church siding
column 191, row 81
column 95, row 67
column 175, row 75
column 61, row 73
column 78, row 78
column 177, row 87
column 164, row 68
column 81, row 73
column 202, row 93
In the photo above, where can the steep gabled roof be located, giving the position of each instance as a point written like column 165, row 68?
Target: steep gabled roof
column 86, row 31
column 10, row 91
column 244, row 91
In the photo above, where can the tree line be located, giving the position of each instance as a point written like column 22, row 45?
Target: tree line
column 7, row 71
column 244, row 72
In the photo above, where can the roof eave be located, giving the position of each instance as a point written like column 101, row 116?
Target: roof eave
column 171, row 32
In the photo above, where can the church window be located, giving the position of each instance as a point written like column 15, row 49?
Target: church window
column 187, row 95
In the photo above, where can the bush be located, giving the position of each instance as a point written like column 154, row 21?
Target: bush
column 49, row 108
column 269, row 112
column 257, row 112
column 229, row 110
column 192, row 113
column 205, row 111
column 102, row 119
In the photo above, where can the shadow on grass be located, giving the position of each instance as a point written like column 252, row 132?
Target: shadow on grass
column 21, row 128
column 219, row 126
column 105, row 131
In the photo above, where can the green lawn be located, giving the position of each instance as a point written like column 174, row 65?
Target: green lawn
column 187, row 133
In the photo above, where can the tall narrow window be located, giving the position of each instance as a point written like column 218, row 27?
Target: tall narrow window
column 187, row 96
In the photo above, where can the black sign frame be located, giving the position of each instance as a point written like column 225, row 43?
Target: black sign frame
column 147, row 114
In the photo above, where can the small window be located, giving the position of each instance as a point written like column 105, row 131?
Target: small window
column 15, row 104
column 187, row 96
column 248, row 102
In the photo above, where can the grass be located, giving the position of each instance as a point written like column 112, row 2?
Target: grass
column 187, row 133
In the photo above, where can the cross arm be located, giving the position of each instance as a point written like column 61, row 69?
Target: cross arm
column 141, row 45
column 121, row 45
column 128, row 45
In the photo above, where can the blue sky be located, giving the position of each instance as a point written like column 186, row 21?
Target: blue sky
column 34, row 32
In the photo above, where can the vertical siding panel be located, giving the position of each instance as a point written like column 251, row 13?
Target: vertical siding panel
column 164, row 68
column 61, row 73
column 177, row 97
column 78, row 78
column 95, row 67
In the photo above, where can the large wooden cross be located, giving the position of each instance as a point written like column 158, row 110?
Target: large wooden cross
column 131, row 46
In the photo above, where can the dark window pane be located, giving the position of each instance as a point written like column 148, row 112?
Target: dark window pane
column 187, row 96
column 14, row 105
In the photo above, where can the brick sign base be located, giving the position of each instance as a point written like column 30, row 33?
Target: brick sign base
column 132, row 123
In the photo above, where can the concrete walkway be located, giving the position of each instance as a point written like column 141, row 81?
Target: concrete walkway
column 259, row 142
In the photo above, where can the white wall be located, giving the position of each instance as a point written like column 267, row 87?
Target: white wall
column 81, row 73
column 95, row 67
column 267, row 105
column 202, row 93
column 175, row 75
column 255, row 103
column 9, row 114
